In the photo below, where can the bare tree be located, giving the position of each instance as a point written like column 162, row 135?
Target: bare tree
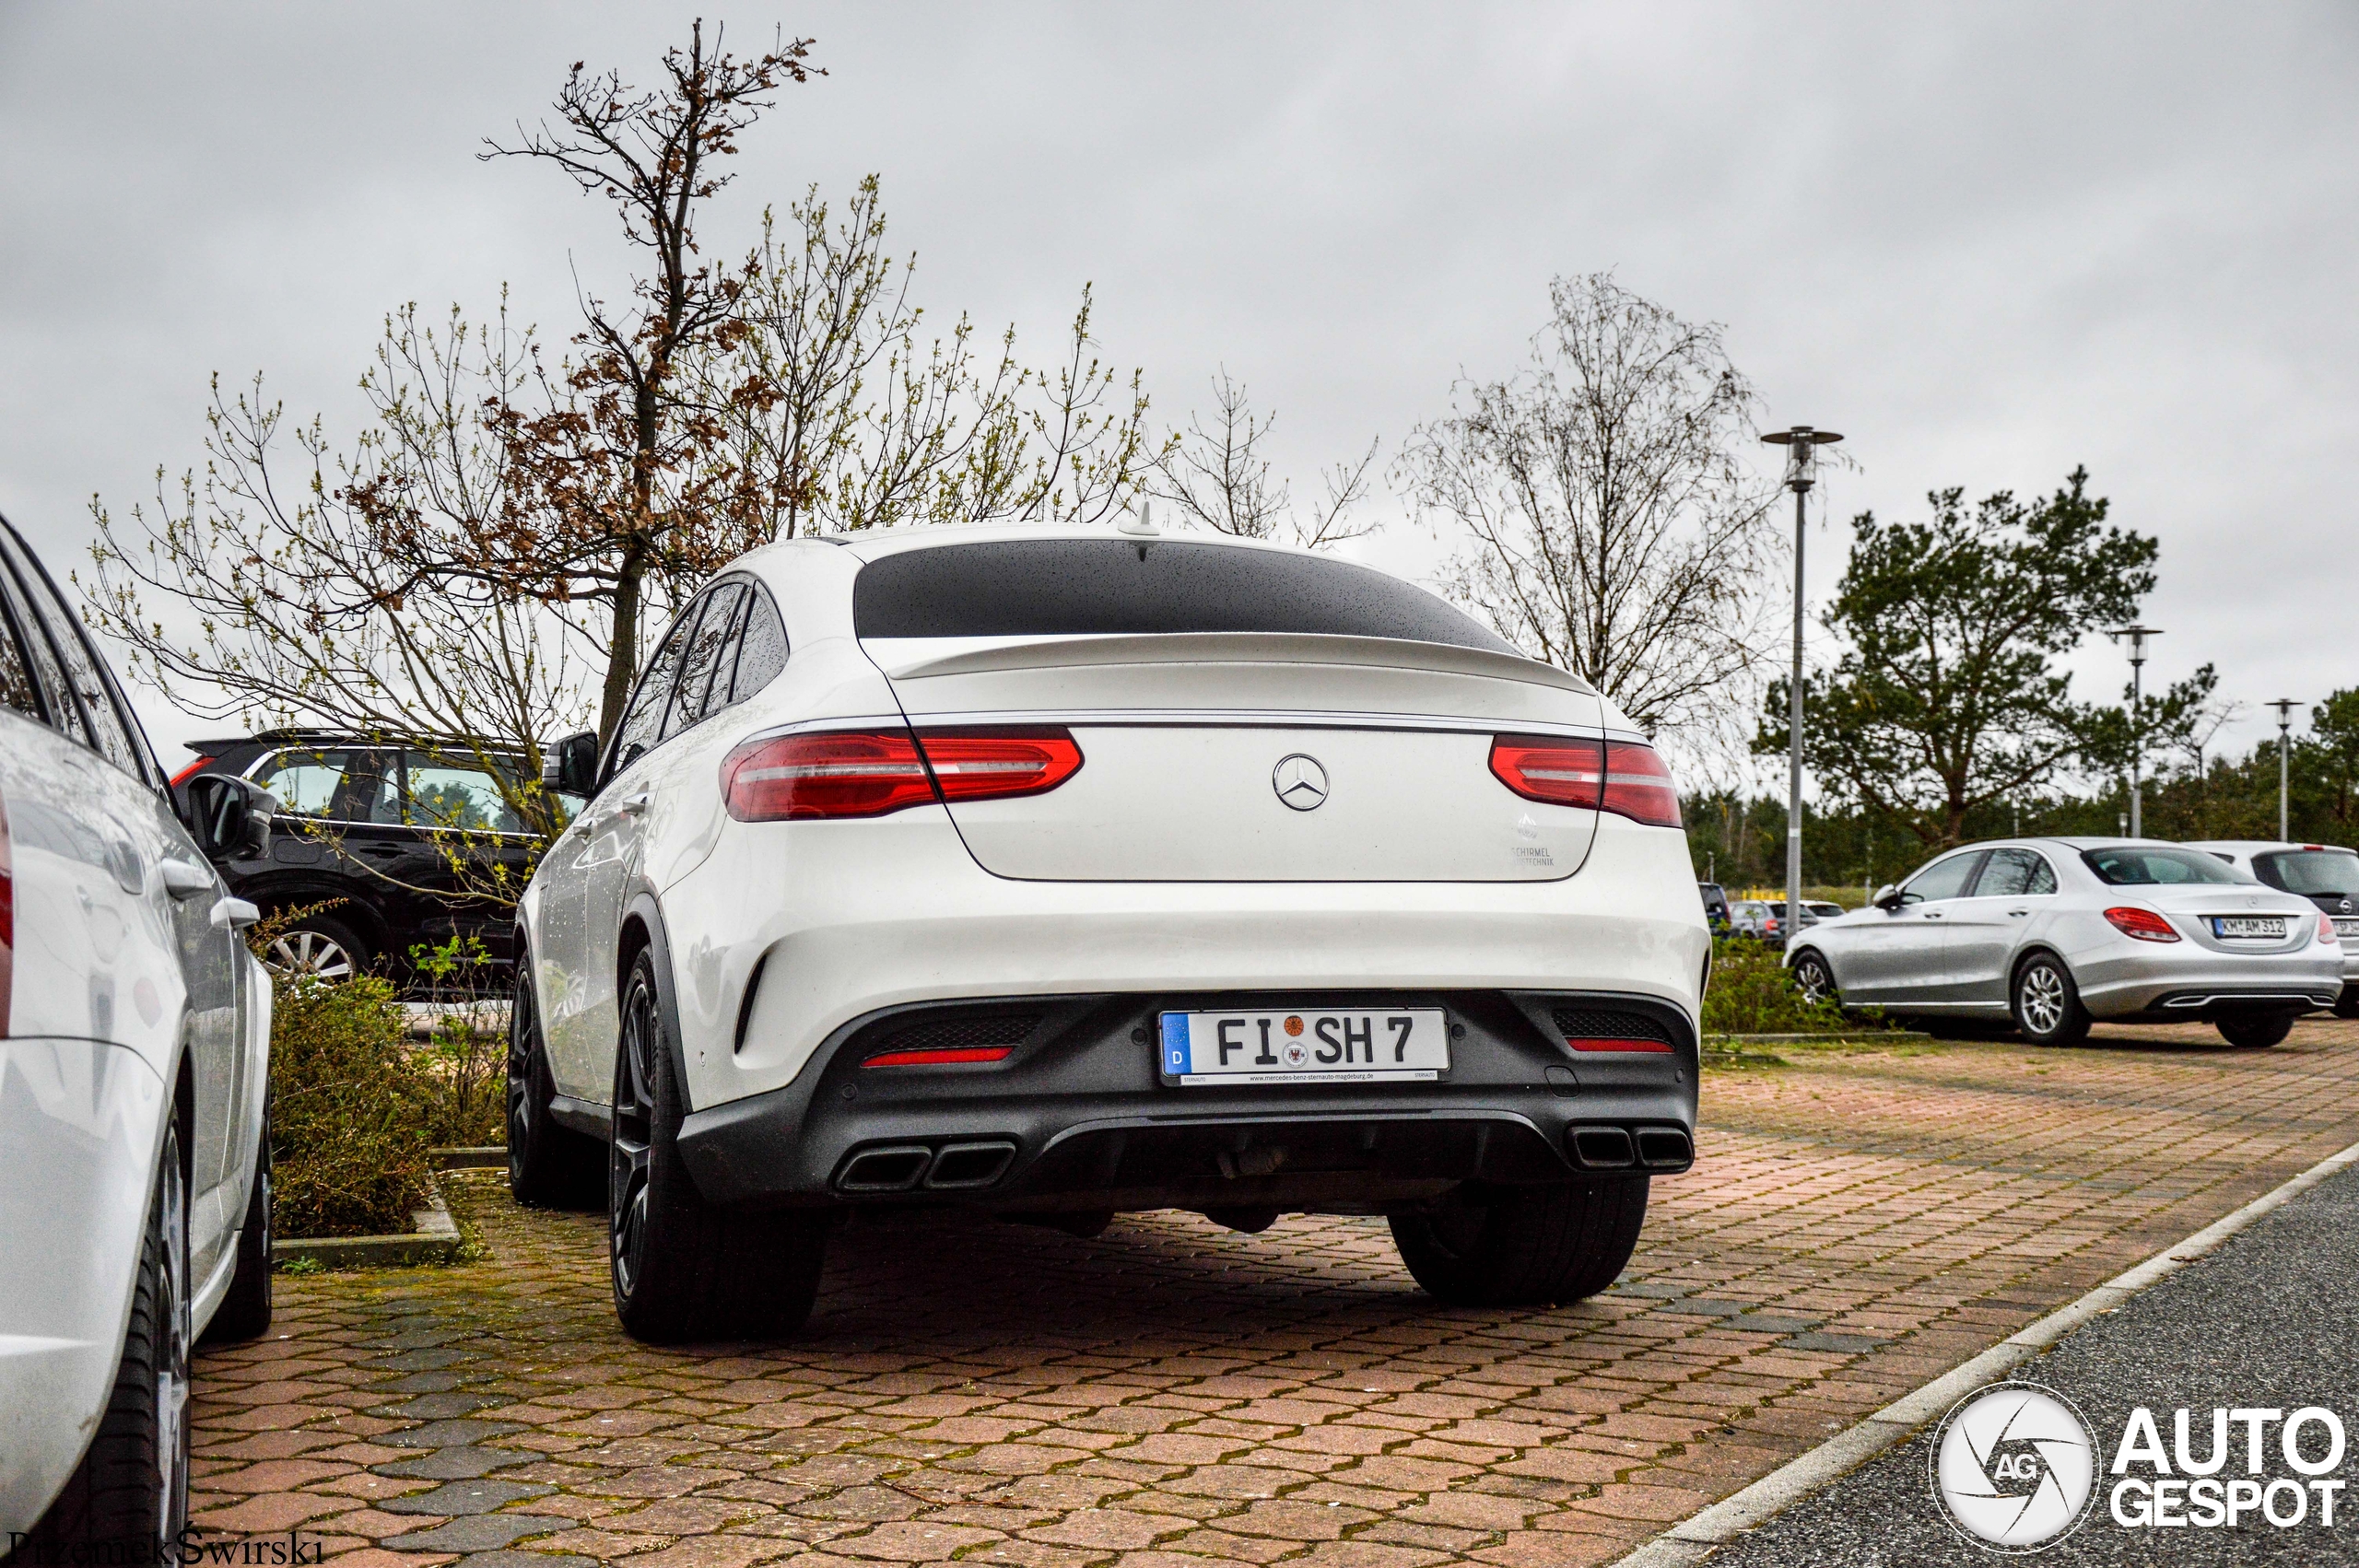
column 609, row 489
column 287, row 607
column 838, row 414
column 1613, row 530
column 1216, row 478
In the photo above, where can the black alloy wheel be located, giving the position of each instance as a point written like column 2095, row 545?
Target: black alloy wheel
column 683, row 1269
column 1814, row 979
column 2046, row 1002
column 549, row 1166
column 129, row 1495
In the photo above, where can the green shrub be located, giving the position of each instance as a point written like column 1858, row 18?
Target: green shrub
column 1751, row 994
column 349, row 1113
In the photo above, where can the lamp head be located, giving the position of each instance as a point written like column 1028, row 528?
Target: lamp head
column 1801, row 444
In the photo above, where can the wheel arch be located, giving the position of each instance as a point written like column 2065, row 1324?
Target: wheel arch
column 643, row 931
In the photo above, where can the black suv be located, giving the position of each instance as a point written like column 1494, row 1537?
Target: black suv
column 366, row 829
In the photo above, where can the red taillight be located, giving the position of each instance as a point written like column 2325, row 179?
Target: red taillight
column 940, row 1058
column 975, row 765
column 869, row 773
column 2144, row 924
column 2326, row 929
column 1619, row 1044
column 1622, row 777
column 191, row 771
column 1638, row 786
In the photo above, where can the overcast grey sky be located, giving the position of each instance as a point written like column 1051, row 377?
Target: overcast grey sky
column 1986, row 242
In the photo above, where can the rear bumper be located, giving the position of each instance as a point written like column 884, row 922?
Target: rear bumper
column 2199, row 984
column 1076, row 1119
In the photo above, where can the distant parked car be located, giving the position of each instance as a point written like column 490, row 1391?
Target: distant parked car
column 1716, row 904
column 1816, row 910
column 364, row 828
column 2326, row 874
column 2057, row 933
column 1764, row 920
column 135, row 1065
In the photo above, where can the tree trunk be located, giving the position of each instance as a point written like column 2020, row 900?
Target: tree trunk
column 622, row 650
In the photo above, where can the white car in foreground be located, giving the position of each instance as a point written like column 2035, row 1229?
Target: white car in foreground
column 2054, row 933
column 1058, row 873
column 135, row 1058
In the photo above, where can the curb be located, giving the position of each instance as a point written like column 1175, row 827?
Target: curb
column 433, row 1236
column 1697, row 1537
column 1861, row 1037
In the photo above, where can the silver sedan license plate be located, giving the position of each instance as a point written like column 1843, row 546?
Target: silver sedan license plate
column 2267, row 928
column 1349, row 1045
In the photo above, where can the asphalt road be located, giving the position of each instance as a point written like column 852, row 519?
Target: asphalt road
column 2266, row 1322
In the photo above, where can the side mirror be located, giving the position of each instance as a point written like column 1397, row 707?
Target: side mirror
column 572, row 766
column 229, row 817
column 1887, row 899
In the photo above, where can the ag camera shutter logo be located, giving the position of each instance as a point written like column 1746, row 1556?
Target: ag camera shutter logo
column 2015, row 1468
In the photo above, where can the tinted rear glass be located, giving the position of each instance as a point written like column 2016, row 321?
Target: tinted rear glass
column 2310, row 871
column 2160, row 867
column 1052, row 587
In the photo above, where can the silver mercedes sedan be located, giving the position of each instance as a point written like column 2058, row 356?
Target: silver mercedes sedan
column 2056, row 933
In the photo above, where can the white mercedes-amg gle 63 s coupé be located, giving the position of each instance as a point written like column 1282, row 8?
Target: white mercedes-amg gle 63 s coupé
column 1060, row 873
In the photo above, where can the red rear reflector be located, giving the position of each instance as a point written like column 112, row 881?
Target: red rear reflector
column 939, row 1059
column 1620, row 1045
column 1621, row 777
column 191, row 771
column 2144, row 924
column 976, row 765
column 870, row 773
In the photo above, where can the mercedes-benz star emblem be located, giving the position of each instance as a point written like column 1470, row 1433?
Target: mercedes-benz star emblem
column 1300, row 782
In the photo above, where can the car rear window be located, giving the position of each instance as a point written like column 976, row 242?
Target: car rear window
column 2143, row 866
column 1064, row 587
column 2310, row 871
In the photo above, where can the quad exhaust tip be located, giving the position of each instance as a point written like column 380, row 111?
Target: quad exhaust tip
column 904, row 1167
column 1622, row 1149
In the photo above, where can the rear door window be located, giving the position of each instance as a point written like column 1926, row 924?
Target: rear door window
column 40, row 643
column 448, row 794
column 108, row 729
column 2016, row 873
column 18, row 693
column 710, row 653
column 1102, row 587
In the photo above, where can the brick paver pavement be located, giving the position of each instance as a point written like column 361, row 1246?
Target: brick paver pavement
column 1172, row 1394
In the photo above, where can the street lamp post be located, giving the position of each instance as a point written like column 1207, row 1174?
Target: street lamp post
column 2284, row 707
column 2137, row 636
column 1801, row 444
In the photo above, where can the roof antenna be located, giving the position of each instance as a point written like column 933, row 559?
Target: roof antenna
column 1143, row 525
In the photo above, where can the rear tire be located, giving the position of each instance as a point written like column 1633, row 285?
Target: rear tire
column 244, row 1313
column 682, row 1270
column 131, row 1489
column 549, row 1166
column 2046, row 1001
column 2255, row 1034
column 1530, row 1246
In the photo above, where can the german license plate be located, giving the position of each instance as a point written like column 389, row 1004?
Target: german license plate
column 2346, row 928
column 1403, row 1044
column 2267, row 927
